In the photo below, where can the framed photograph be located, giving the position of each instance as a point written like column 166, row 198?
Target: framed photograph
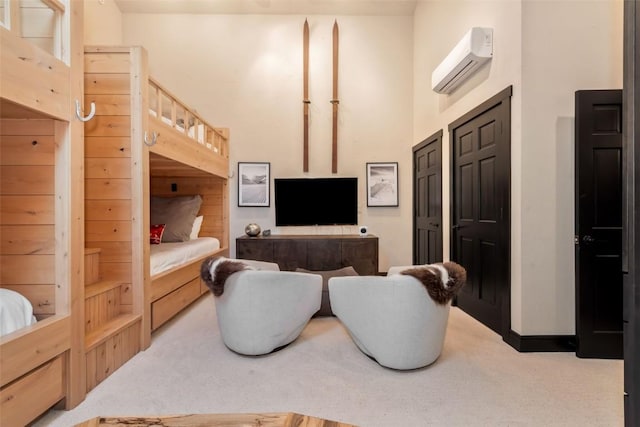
column 382, row 184
column 253, row 184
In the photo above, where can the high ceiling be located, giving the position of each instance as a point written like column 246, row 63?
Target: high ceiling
column 271, row 7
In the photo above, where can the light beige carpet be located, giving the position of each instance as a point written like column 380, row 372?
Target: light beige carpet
column 477, row 381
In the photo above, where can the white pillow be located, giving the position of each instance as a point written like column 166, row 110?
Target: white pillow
column 195, row 231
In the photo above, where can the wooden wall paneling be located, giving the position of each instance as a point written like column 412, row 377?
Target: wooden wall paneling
column 109, row 359
column 110, row 104
column 27, row 209
column 91, row 369
column 107, row 146
column 111, row 62
column 110, row 126
column 27, row 239
column 117, row 351
column 103, row 189
column 108, row 210
column 126, row 298
column 41, row 129
column 107, row 168
column 118, row 231
column 27, row 179
column 114, row 251
column 101, row 363
column 42, row 297
column 27, row 269
column 117, row 271
column 26, row 149
column 107, row 84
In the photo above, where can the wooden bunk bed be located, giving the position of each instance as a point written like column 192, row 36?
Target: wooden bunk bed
column 41, row 214
column 143, row 142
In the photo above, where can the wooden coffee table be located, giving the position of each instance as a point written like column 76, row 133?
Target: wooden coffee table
column 288, row 419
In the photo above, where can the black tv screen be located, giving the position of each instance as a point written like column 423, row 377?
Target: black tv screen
column 316, row 201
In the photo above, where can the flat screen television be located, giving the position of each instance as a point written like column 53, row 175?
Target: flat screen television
column 316, row 201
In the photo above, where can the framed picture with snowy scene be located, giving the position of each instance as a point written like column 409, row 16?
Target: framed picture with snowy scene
column 382, row 184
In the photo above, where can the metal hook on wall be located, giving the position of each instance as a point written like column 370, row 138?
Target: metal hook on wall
column 154, row 138
column 92, row 112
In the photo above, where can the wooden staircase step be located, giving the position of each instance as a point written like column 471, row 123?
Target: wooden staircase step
column 100, row 288
column 109, row 329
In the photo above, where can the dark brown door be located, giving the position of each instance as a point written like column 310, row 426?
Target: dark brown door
column 631, row 214
column 427, row 200
column 599, row 223
column 480, row 184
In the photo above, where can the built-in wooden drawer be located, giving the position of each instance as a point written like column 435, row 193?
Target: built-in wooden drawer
column 33, row 393
column 170, row 305
column 164, row 283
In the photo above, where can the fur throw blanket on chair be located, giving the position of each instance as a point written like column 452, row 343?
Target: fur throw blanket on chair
column 214, row 271
column 443, row 281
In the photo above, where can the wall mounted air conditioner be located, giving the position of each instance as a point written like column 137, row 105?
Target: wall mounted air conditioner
column 475, row 48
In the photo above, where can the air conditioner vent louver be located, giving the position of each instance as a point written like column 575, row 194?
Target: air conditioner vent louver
column 475, row 48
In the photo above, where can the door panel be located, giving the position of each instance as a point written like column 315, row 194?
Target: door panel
column 480, row 210
column 427, row 171
column 599, row 223
column 631, row 213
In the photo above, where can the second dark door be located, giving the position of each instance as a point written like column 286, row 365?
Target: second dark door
column 480, row 211
column 427, row 200
column 599, row 223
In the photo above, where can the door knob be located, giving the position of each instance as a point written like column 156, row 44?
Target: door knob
column 588, row 239
column 455, row 227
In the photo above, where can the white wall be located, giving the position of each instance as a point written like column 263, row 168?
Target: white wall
column 245, row 72
column 102, row 23
column 546, row 50
column 561, row 54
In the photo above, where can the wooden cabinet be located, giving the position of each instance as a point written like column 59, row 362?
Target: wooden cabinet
column 312, row 252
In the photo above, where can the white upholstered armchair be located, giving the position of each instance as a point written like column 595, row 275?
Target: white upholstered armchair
column 393, row 318
column 260, row 311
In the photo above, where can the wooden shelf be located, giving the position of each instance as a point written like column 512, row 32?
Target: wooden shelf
column 115, row 325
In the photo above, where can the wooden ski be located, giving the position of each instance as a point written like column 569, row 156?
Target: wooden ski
column 335, row 101
column 305, row 96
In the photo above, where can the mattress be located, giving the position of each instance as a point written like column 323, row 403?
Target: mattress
column 16, row 311
column 166, row 256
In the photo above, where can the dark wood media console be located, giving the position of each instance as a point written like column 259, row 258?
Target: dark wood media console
column 313, row 252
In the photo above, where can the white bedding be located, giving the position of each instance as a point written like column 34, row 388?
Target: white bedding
column 168, row 255
column 16, row 311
